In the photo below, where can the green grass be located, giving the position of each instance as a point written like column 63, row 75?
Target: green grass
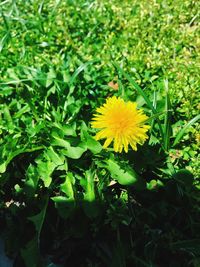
column 64, row 199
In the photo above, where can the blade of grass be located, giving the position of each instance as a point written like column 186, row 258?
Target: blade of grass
column 167, row 125
column 4, row 40
column 77, row 72
column 121, row 87
column 156, row 115
column 184, row 129
column 136, row 86
column 5, row 21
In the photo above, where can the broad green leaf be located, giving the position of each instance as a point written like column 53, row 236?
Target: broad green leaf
column 32, row 178
column 45, row 170
column 90, row 205
column 73, row 152
column 55, row 157
column 58, row 141
column 69, row 130
column 124, row 177
column 89, row 194
column 67, row 186
column 69, row 151
column 47, row 163
column 93, row 145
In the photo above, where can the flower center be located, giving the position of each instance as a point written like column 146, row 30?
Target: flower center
column 120, row 124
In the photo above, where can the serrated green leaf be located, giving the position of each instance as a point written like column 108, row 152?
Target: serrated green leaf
column 68, row 186
column 45, row 168
column 124, row 177
column 58, row 141
column 69, row 151
column 69, row 130
column 93, row 145
column 90, row 204
column 55, row 157
column 31, row 182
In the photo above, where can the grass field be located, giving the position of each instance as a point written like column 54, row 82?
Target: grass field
column 65, row 200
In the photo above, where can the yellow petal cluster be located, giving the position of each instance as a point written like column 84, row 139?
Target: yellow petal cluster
column 120, row 122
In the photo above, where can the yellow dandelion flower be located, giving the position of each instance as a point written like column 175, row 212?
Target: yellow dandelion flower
column 120, row 122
